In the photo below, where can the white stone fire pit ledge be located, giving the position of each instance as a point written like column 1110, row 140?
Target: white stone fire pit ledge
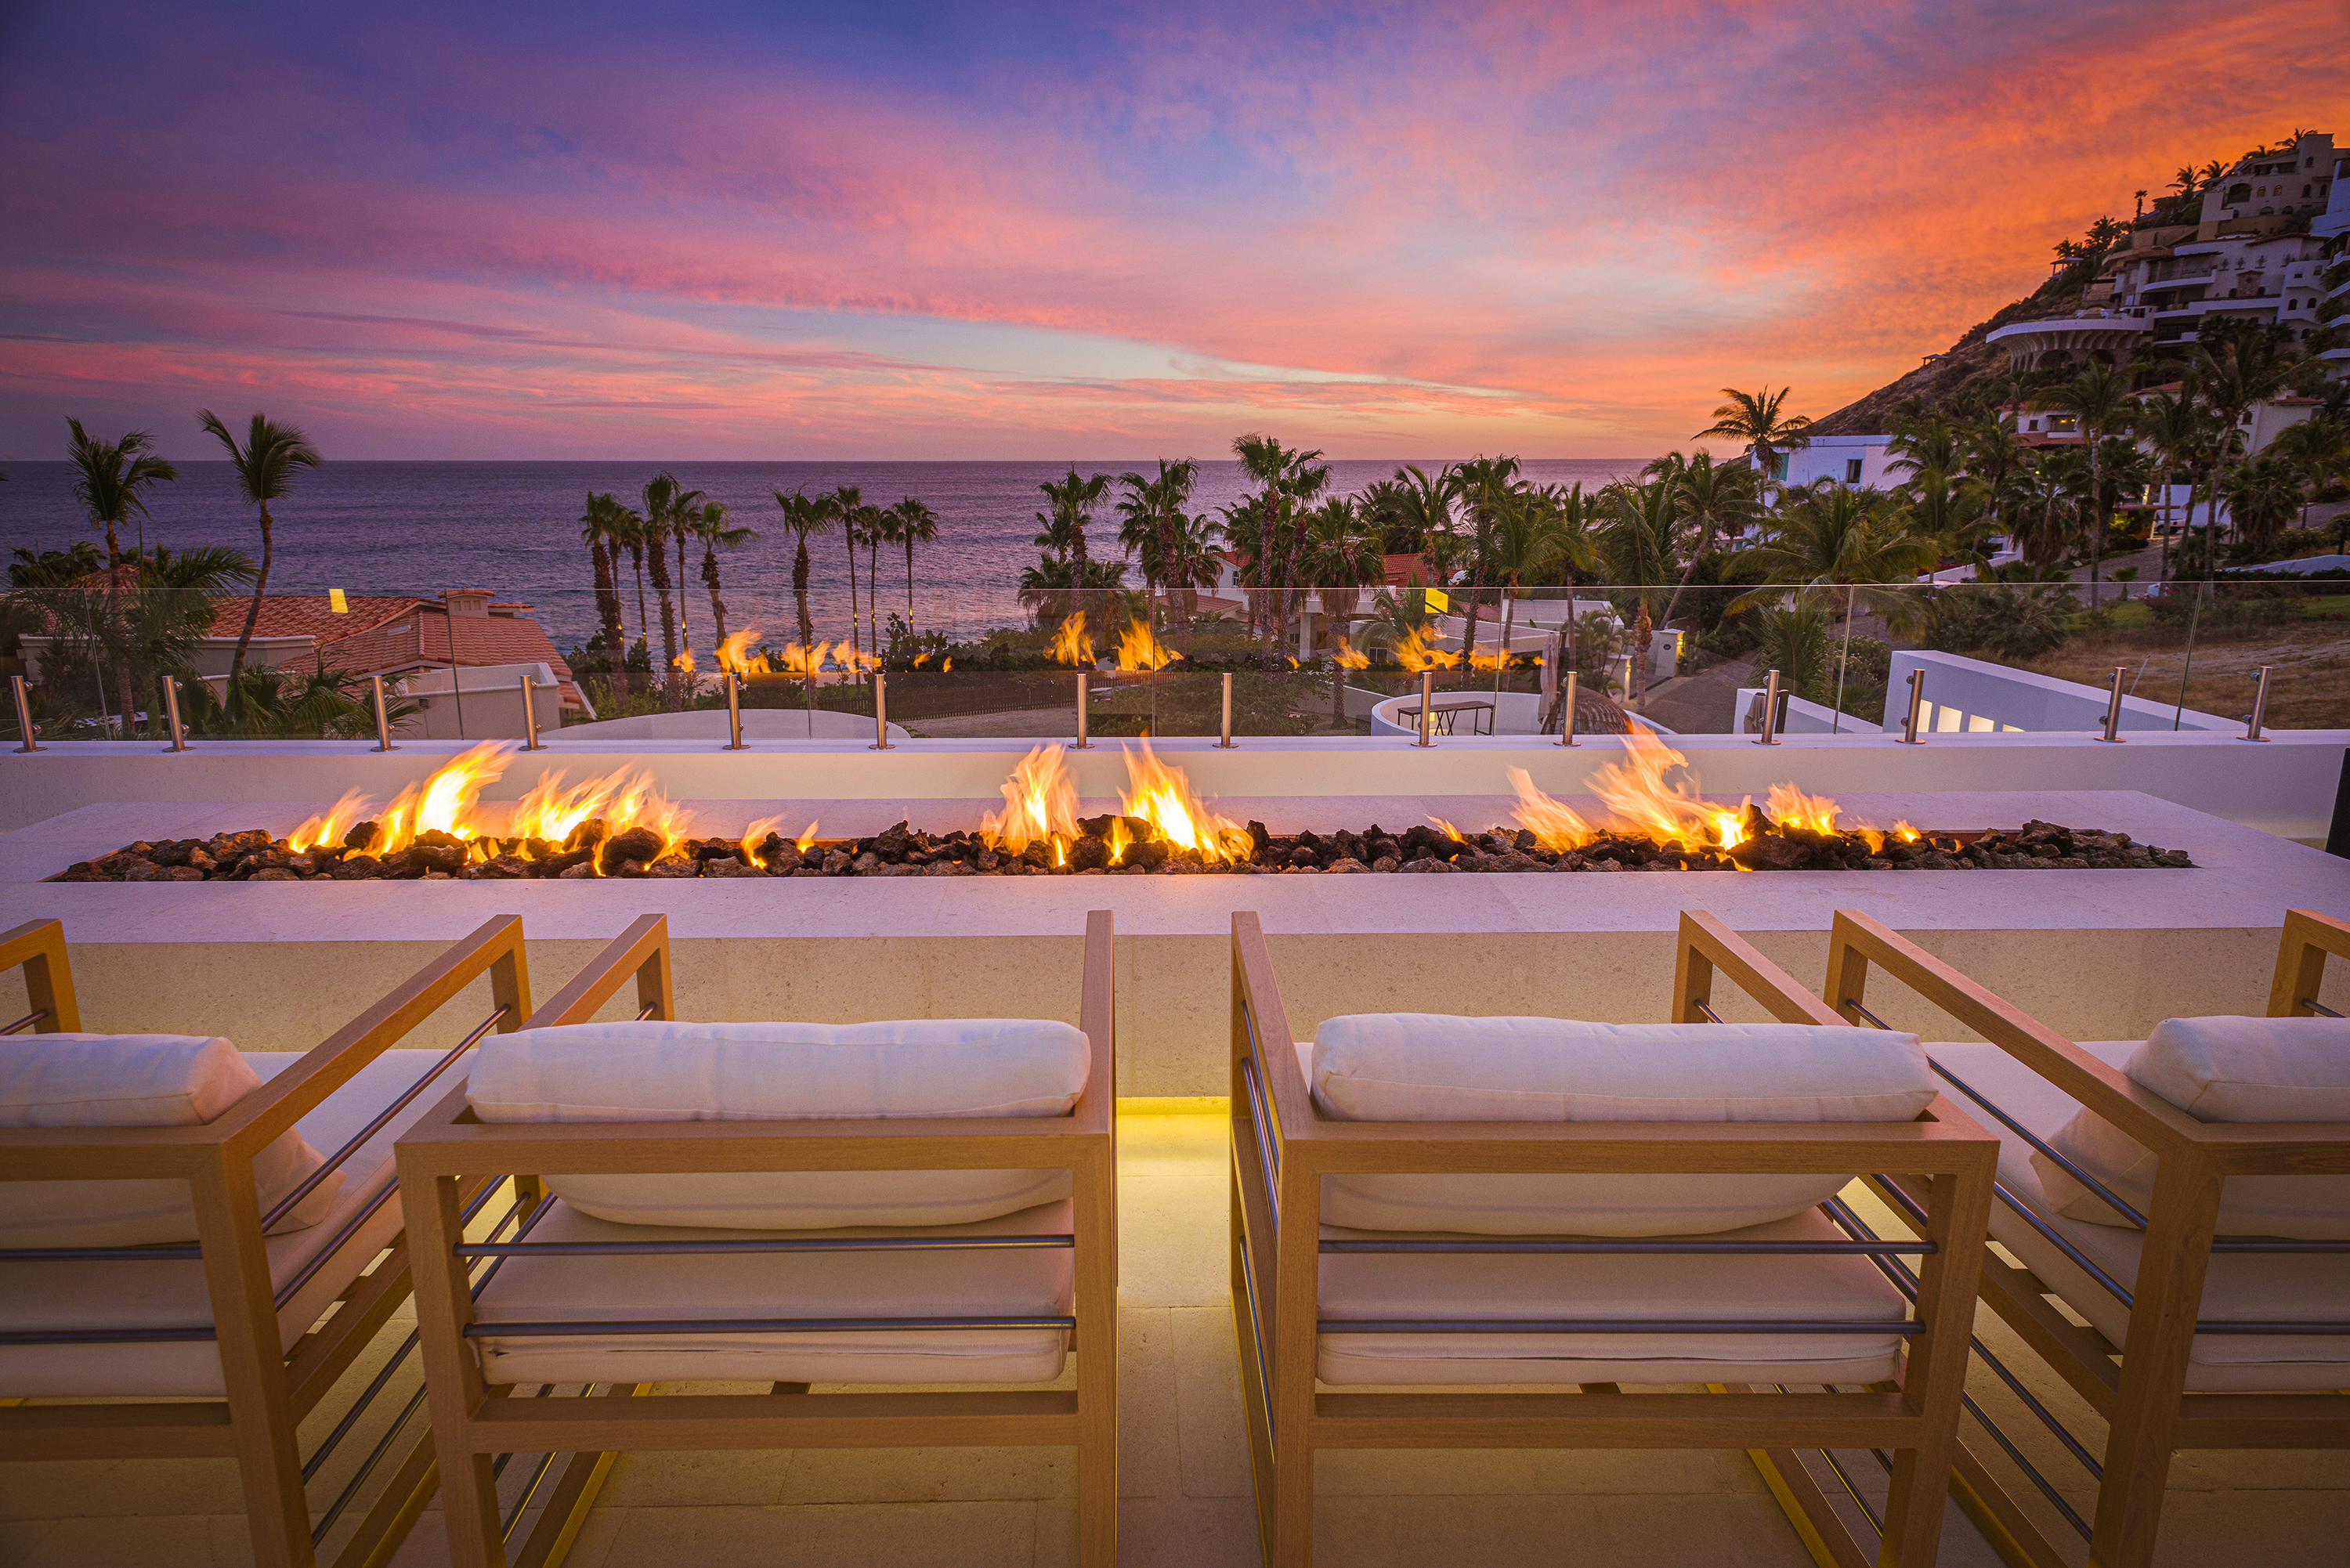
column 2285, row 786
column 2099, row 954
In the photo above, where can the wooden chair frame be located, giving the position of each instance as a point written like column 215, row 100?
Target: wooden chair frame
column 471, row 1424
column 1283, row 1147
column 2150, row 1413
column 269, row 1390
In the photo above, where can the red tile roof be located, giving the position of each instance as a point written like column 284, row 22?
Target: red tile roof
column 308, row 615
column 422, row 639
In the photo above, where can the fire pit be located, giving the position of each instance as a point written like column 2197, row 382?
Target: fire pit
column 621, row 825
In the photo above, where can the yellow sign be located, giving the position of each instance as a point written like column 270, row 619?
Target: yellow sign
column 1438, row 601
column 337, row 602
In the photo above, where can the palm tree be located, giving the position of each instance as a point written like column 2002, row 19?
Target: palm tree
column 2176, row 427
column 1936, row 445
column 2320, row 448
column 631, row 534
column 266, row 466
column 1716, row 500
column 877, row 526
column 1488, row 487
column 1755, row 419
column 1286, row 479
column 1191, row 562
column 1837, row 536
column 1993, row 451
column 914, row 523
column 1056, row 589
column 599, row 529
column 172, row 612
column 2057, row 481
column 1073, row 501
column 111, row 480
column 661, row 519
column 683, row 510
column 1640, row 543
column 2099, row 396
column 804, row 515
column 708, row 524
column 2261, row 496
column 2237, row 365
column 846, row 506
column 1153, row 508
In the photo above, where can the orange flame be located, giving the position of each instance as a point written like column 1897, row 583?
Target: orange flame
column 1640, row 798
column 1161, row 795
column 444, row 801
column 624, row 799
column 1119, row 838
column 736, row 656
column 1448, row 831
column 683, row 662
column 1786, row 804
column 1070, row 644
column 793, row 659
column 1731, row 826
column 1346, row 658
column 1416, row 651
column 807, row 838
column 1139, row 649
column 1040, row 801
column 754, row 835
column 1555, row 825
column 1904, row 832
column 851, row 660
column 329, row 828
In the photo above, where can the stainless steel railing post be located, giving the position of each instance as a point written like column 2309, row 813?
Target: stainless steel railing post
column 1916, row 700
column 172, row 714
column 382, row 723
column 1770, row 735
column 2114, row 708
column 1224, row 732
column 1083, row 745
column 529, row 716
column 23, row 715
column 1427, row 708
column 2260, row 708
column 1567, row 713
column 880, row 716
column 734, row 712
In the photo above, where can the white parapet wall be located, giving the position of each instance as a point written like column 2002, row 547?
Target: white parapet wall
column 1799, row 716
column 1975, row 696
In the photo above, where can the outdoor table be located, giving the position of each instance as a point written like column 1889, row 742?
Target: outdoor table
column 1447, row 710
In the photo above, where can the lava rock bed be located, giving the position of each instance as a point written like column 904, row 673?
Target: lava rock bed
column 594, row 850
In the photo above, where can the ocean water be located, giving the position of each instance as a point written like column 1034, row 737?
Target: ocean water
column 511, row 527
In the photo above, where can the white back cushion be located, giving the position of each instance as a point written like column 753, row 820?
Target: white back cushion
column 133, row 1081
column 936, row 1068
column 2221, row 1070
column 1407, row 1067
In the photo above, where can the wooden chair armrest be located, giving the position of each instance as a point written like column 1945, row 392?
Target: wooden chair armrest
column 495, row 948
column 1096, row 1108
column 641, row 952
column 2302, row 950
column 1260, row 1020
column 39, row 948
column 1857, row 941
column 1708, row 945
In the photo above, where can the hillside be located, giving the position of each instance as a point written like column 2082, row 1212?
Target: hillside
column 1938, row 381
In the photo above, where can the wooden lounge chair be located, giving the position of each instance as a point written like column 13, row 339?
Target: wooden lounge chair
column 154, row 1262
column 1552, row 1277
column 844, row 1297
column 2230, row 1341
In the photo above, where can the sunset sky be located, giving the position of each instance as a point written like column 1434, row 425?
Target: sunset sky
column 896, row 231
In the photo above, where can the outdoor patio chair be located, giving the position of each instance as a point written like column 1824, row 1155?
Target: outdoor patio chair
column 2219, row 1148
column 911, row 1203
column 1421, row 1203
column 172, row 1243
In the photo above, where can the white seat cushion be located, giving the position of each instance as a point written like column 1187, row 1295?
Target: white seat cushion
column 2221, row 1070
column 989, row 1283
column 2271, row 1287
column 1412, row 1067
column 49, row 1296
column 72, row 1080
column 1484, row 1288
column 937, row 1068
